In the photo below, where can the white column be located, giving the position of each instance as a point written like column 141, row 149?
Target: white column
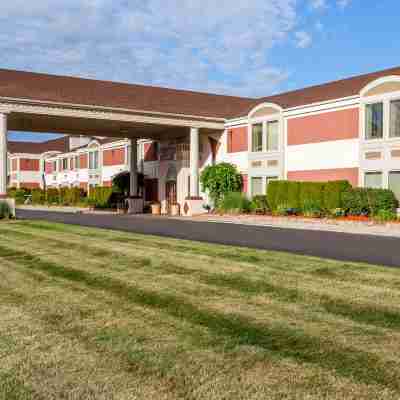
column 3, row 155
column 194, row 162
column 133, row 169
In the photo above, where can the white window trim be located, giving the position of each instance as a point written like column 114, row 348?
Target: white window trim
column 264, row 121
column 385, row 99
column 385, row 177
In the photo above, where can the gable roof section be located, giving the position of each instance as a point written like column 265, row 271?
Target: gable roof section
column 63, row 89
column 61, row 144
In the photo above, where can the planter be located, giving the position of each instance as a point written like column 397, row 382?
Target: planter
column 156, row 209
column 175, row 210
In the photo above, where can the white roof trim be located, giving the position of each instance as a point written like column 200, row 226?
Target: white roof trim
column 378, row 82
column 265, row 105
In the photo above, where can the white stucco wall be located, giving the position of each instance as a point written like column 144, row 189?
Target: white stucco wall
column 324, row 155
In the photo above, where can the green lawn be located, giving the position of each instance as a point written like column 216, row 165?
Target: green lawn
column 94, row 314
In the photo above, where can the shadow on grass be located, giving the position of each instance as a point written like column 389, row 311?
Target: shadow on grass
column 236, row 330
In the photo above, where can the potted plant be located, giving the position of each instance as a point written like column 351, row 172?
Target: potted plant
column 156, row 208
column 175, row 209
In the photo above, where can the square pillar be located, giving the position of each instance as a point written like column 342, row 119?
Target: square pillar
column 133, row 161
column 194, row 162
column 135, row 204
column 3, row 155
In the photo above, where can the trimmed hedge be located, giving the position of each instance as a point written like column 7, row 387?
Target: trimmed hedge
column 235, row 202
column 333, row 194
column 62, row 196
column 297, row 195
column 367, row 201
column 99, row 196
column 19, row 194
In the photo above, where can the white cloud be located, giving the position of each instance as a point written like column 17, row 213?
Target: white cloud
column 343, row 3
column 190, row 44
column 303, row 39
column 318, row 4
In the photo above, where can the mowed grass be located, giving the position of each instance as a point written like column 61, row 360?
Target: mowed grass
column 96, row 314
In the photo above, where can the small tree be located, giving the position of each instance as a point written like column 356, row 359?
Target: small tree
column 219, row 180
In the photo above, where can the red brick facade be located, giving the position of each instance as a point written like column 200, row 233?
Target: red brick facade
column 83, row 161
column 350, row 174
column 327, row 126
column 26, row 164
column 113, row 157
column 49, row 167
column 237, row 140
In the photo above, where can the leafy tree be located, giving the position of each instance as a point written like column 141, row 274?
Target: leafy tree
column 220, row 179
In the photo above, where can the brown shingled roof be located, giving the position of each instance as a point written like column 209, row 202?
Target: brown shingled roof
column 328, row 91
column 61, row 144
column 28, row 85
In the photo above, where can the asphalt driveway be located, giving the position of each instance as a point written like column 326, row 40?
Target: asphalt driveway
column 379, row 250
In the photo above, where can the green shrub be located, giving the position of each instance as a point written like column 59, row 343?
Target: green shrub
column 293, row 194
column 99, row 196
column 52, row 196
column 385, row 216
column 332, row 194
column 367, row 201
column 337, row 212
column 219, row 180
column 5, row 210
column 327, row 195
column 272, row 190
column 235, row 202
column 21, row 195
column 382, row 199
column 73, row 196
column 260, row 203
column 11, row 192
column 277, row 193
column 38, row 196
column 312, row 208
column 312, row 192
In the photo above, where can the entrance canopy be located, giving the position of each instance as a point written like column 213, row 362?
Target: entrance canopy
column 48, row 103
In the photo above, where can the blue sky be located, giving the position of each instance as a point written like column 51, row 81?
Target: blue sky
column 244, row 47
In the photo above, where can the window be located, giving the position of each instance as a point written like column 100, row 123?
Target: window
column 77, row 162
column 374, row 121
column 395, row 119
column 394, row 183
column 373, row 180
column 93, row 160
column 271, row 178
column 256, row 186
column 54, row 166
column 257, row 137
column 272, row 135
column 65, row 163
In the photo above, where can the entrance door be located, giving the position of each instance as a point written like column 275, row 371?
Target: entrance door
column 170, row 194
